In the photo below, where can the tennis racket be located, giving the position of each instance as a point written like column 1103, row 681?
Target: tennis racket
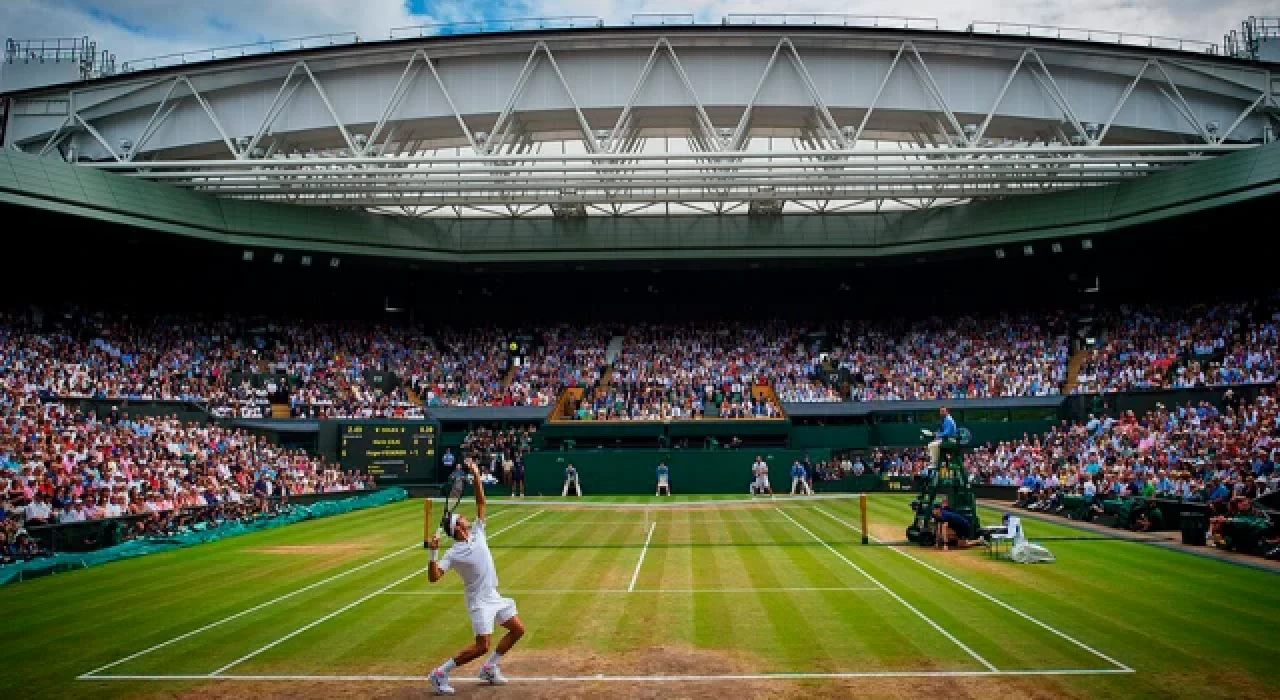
column 458, row 483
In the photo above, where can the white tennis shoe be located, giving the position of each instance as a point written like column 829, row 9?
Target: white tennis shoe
column 440, row 683
column 491, row 674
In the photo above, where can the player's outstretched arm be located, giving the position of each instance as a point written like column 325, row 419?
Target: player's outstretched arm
column 475, row 476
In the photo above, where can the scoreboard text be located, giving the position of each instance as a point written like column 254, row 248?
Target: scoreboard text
column 389, row 451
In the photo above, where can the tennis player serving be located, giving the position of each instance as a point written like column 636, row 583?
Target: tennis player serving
column 470, row 556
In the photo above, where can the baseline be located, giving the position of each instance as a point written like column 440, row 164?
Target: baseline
column 836, row 675
column 565, row 591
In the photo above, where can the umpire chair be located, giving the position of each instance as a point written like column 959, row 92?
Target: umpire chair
column 949, row 480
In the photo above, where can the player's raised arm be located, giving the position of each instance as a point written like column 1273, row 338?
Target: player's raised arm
column 434, row 572
column 475, row 476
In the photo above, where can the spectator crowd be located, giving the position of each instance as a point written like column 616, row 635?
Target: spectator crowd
column 243, row 367
column 61, row 465
column 1193, row 452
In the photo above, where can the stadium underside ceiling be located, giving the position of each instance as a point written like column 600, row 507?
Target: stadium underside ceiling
column 48, row 184
column 659, row 121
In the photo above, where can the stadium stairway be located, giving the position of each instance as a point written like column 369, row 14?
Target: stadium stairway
column 1073, row 370
column 567, row 398
column 614, row 349
column 767, row 393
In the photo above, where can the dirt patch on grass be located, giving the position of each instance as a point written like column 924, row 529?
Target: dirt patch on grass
column 667, row 659
column 894, row 688
column 336, row 548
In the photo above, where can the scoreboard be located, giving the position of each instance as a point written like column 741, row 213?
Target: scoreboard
column 390, row 451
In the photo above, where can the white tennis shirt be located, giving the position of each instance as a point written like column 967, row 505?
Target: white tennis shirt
column 474, row 564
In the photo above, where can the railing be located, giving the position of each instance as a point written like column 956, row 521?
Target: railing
column 69, row 49
column 1265, row 26
column 653, row 19
column 61, row 50
column 520, row 24
column 1246, row 42
column 1045, row 31
column 833, row 20
column 238, row 50
column 55, row 50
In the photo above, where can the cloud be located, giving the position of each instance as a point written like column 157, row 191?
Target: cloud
column 140, row 28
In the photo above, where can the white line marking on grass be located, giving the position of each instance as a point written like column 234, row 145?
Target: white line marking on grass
column 347, row 607
column 799, row 676
column 895, row 596
column 700, row 504
column 636, row 573
column 256, row 608
column 578, row 591
column 989, row 597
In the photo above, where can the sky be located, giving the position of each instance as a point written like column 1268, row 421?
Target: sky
column 133, row 29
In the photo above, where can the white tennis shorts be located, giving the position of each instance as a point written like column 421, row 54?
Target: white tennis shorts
column 485, row 613
column 762, row 482
column 662, row 481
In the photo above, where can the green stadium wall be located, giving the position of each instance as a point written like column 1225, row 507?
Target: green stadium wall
column 632, row 471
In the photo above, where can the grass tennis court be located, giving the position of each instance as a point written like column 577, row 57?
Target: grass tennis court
column 760, row 599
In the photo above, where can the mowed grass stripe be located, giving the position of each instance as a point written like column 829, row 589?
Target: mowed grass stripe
column 789, row 619
column 221, row 585
column 1092, row 570
column 1161, row 607
column 1096, row 596
column 863, row 631
column 282, row 614
column 102, row 614
column 332, row 630
column 1001, row 636
column 914, row 609
column 580, row 622
column 651, row 621
column 153, row 576
column 279, row 616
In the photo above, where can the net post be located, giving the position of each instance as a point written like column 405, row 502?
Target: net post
column 862, row 506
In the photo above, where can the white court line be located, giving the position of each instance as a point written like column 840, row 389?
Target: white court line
column 576, row 522
column 895, row 596
column 601, row 678
column 636, row 573
column 703, row 504
column 588, row 591
column 347, row 607
column 991, row 598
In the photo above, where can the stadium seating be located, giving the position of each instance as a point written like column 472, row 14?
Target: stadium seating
column 254, row 368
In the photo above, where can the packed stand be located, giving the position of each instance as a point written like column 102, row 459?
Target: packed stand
column 59, row 465
column 1192, row 452
column 471, row 368
column 1178, row 347
column 675, row 372
column 955, row 358
column 566, row 357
